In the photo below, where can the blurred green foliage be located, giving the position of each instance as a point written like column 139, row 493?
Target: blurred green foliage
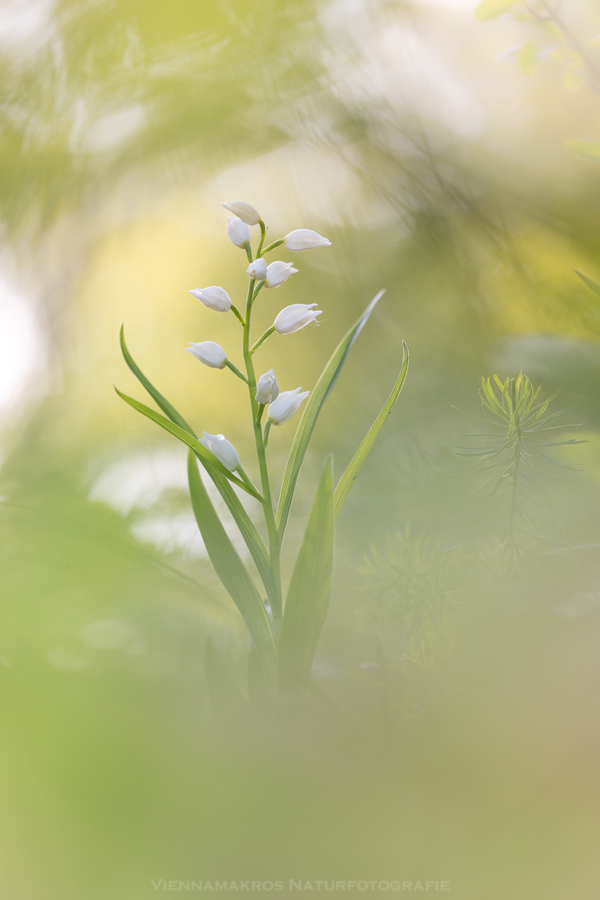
column 438, row 172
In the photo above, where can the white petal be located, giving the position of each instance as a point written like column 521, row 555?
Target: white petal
column 278, row 272
column 258, row 269
column 209, row 353
column 305, row 239
column 213, row 297
column 244, row 211
column 238, row 231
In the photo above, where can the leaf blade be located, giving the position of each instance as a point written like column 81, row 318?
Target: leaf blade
column 160, row 400
column 248, row 530
column 348, row 478
column 231, row 571
column 189, row 439
column 313, row 407
column 593, row 285
column 308, row 594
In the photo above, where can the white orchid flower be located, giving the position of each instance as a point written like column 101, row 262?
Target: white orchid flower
column 222, row 449
column 267, row 389
column 295, row 317
column 214, row 297
column 287, row 404
column 277, row 273
column 305, row 239
column 238, row 232
column 244, row 211
column 209, row 353
column 258, row 269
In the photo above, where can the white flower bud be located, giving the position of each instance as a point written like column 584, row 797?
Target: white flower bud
column 287, row 404
column 267, row 388
column 258, row 269
column 209, row 353
column 295, row 317
column 213, row 297
column 243, row 211
column 222, row 449
column 305, row 239
column 278, row 272
column 238, row 232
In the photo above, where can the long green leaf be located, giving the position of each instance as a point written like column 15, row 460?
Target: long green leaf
column 308, row 595
column 232, row 572
column 593, row 285
column 347, row 480
column 168, row 408
column 247, row 528
column 187, row 438
column 312, row 409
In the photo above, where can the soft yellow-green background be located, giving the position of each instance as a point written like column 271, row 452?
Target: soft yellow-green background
column 438, row 172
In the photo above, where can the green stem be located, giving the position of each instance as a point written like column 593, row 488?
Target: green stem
column 276, row 606
column 245, row 478
column 272, row 246
column 248, row 250
column 263, row 232
column 237, row 314
column 235, row 370
column 510, row 546
column 262, row 339
column 266, row 432
column 261, row 284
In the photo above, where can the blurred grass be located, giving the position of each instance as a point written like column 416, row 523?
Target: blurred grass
column 439, row 173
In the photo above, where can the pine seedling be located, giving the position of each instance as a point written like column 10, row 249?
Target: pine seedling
column 516, row 455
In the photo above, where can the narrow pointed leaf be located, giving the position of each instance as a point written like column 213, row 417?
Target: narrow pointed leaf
column 232, row 572
column 248, row 530
column 347, row 480
column 593, row 285
column 245, row 524
column 192, row 442
column 312, row 409
column 161, row 401
column 308, row 595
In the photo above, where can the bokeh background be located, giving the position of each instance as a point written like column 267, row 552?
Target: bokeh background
column 439, row 169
